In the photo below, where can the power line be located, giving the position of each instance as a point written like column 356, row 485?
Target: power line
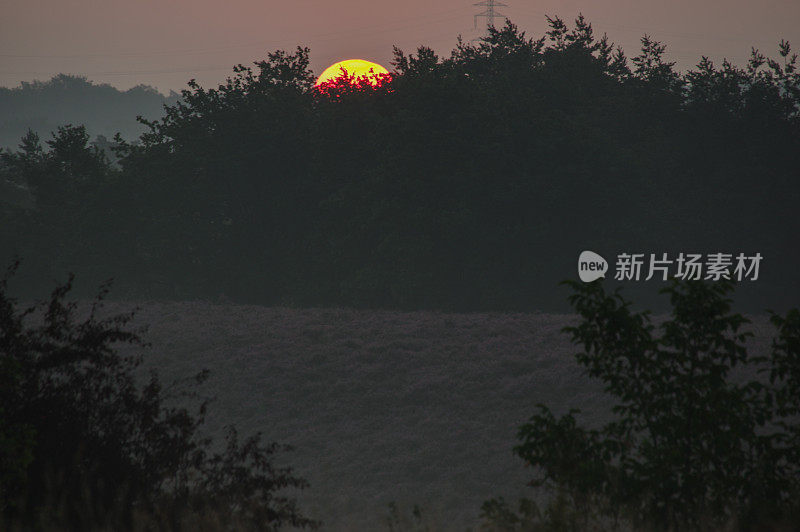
column 655, row 31
column 490, row 13
column 385, row 27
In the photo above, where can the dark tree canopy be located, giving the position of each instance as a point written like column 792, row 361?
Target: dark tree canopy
column 85, row 445
column 44, row 105
column 466, row 182
column 692, row 445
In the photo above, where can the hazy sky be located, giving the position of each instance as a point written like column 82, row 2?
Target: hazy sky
column 164, row 43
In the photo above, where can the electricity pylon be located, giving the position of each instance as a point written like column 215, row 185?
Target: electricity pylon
column 490, row 13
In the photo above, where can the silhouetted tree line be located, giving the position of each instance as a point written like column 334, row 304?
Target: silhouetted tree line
column 42, row 106
column 467, row 182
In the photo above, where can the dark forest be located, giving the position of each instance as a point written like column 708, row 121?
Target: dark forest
column 464, row 183
column 458, row 190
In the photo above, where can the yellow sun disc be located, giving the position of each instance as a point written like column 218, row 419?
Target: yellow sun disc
column 357, row 68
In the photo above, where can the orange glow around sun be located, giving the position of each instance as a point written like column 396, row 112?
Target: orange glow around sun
column 357, row 70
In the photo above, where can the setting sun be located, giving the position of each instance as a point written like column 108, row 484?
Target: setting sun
column 357, row 68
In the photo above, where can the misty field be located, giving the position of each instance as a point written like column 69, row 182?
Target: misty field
column 381, row 406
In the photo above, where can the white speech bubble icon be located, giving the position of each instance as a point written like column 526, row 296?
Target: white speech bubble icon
column 591, row 266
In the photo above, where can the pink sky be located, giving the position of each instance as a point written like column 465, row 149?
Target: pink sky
column 164, row 43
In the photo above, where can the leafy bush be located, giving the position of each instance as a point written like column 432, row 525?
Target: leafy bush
column 692, row 445
column 84, row 446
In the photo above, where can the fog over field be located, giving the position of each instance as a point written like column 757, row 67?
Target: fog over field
column 381, row 406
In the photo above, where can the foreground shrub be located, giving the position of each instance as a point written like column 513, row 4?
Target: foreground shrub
column 84, row 446
column 691, row 445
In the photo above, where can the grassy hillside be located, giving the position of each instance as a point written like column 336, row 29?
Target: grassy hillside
column 411, row 407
